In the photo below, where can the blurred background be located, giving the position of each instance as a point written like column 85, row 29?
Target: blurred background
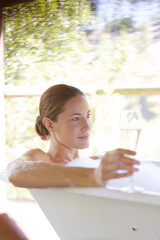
column 107, row 48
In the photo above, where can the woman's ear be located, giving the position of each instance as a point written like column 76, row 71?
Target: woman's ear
column 48, row 123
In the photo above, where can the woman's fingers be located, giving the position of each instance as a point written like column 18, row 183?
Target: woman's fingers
column 116, row 160
column 114, row 174
column 120, row 151
column 120, row 175
column 118, row 166
column 117, row 171
column 119, row 159
column 128, row 160
column 124, row 160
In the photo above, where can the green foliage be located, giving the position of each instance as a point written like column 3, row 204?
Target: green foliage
column 20, row 120
column 43, row 31
column 48, row 42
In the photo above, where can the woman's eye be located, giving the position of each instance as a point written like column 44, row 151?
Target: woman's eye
column 75, row 119
column 89, row 115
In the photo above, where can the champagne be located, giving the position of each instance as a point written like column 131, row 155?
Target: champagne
column 130, row 125
column 130, row 137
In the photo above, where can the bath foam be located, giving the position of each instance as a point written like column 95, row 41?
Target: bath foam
column 20, row 163
column 147, row 177
column 85, row 162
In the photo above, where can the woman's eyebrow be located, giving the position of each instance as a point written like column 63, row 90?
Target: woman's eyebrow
column 79, row 114
column 75, row 114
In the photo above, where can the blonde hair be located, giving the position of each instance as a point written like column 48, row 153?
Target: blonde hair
column 52, row 104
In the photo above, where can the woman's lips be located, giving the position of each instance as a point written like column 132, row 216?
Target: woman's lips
column 84, row 137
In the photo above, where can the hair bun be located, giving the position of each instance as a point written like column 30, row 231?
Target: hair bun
column 41, row 129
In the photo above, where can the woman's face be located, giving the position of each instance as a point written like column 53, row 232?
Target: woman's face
column 72, row 128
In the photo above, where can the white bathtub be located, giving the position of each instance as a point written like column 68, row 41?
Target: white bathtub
column 105, row 214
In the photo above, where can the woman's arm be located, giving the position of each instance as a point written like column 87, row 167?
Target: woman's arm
column 35, row 170
column 36, row 173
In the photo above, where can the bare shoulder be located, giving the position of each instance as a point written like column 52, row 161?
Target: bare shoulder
column 36, row 155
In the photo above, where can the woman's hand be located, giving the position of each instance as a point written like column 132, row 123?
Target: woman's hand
column 113, row 161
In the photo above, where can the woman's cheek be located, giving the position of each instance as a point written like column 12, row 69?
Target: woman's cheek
column 74, row 123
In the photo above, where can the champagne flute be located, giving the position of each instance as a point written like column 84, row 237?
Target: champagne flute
column 130, row 125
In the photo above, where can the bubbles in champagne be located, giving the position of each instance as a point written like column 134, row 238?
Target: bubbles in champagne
column 129, row 138
column 130, row 125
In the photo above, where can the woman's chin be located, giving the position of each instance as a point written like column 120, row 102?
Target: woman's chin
column 83, row 146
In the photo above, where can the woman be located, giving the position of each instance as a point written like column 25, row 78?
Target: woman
column 64, row 119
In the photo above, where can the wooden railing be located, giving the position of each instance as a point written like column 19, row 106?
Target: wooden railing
column 30, row 91
column 141, row 91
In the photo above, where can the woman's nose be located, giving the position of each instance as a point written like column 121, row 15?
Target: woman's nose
column 86, row 124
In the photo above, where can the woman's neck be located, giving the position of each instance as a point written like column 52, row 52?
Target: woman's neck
column 61, row 151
